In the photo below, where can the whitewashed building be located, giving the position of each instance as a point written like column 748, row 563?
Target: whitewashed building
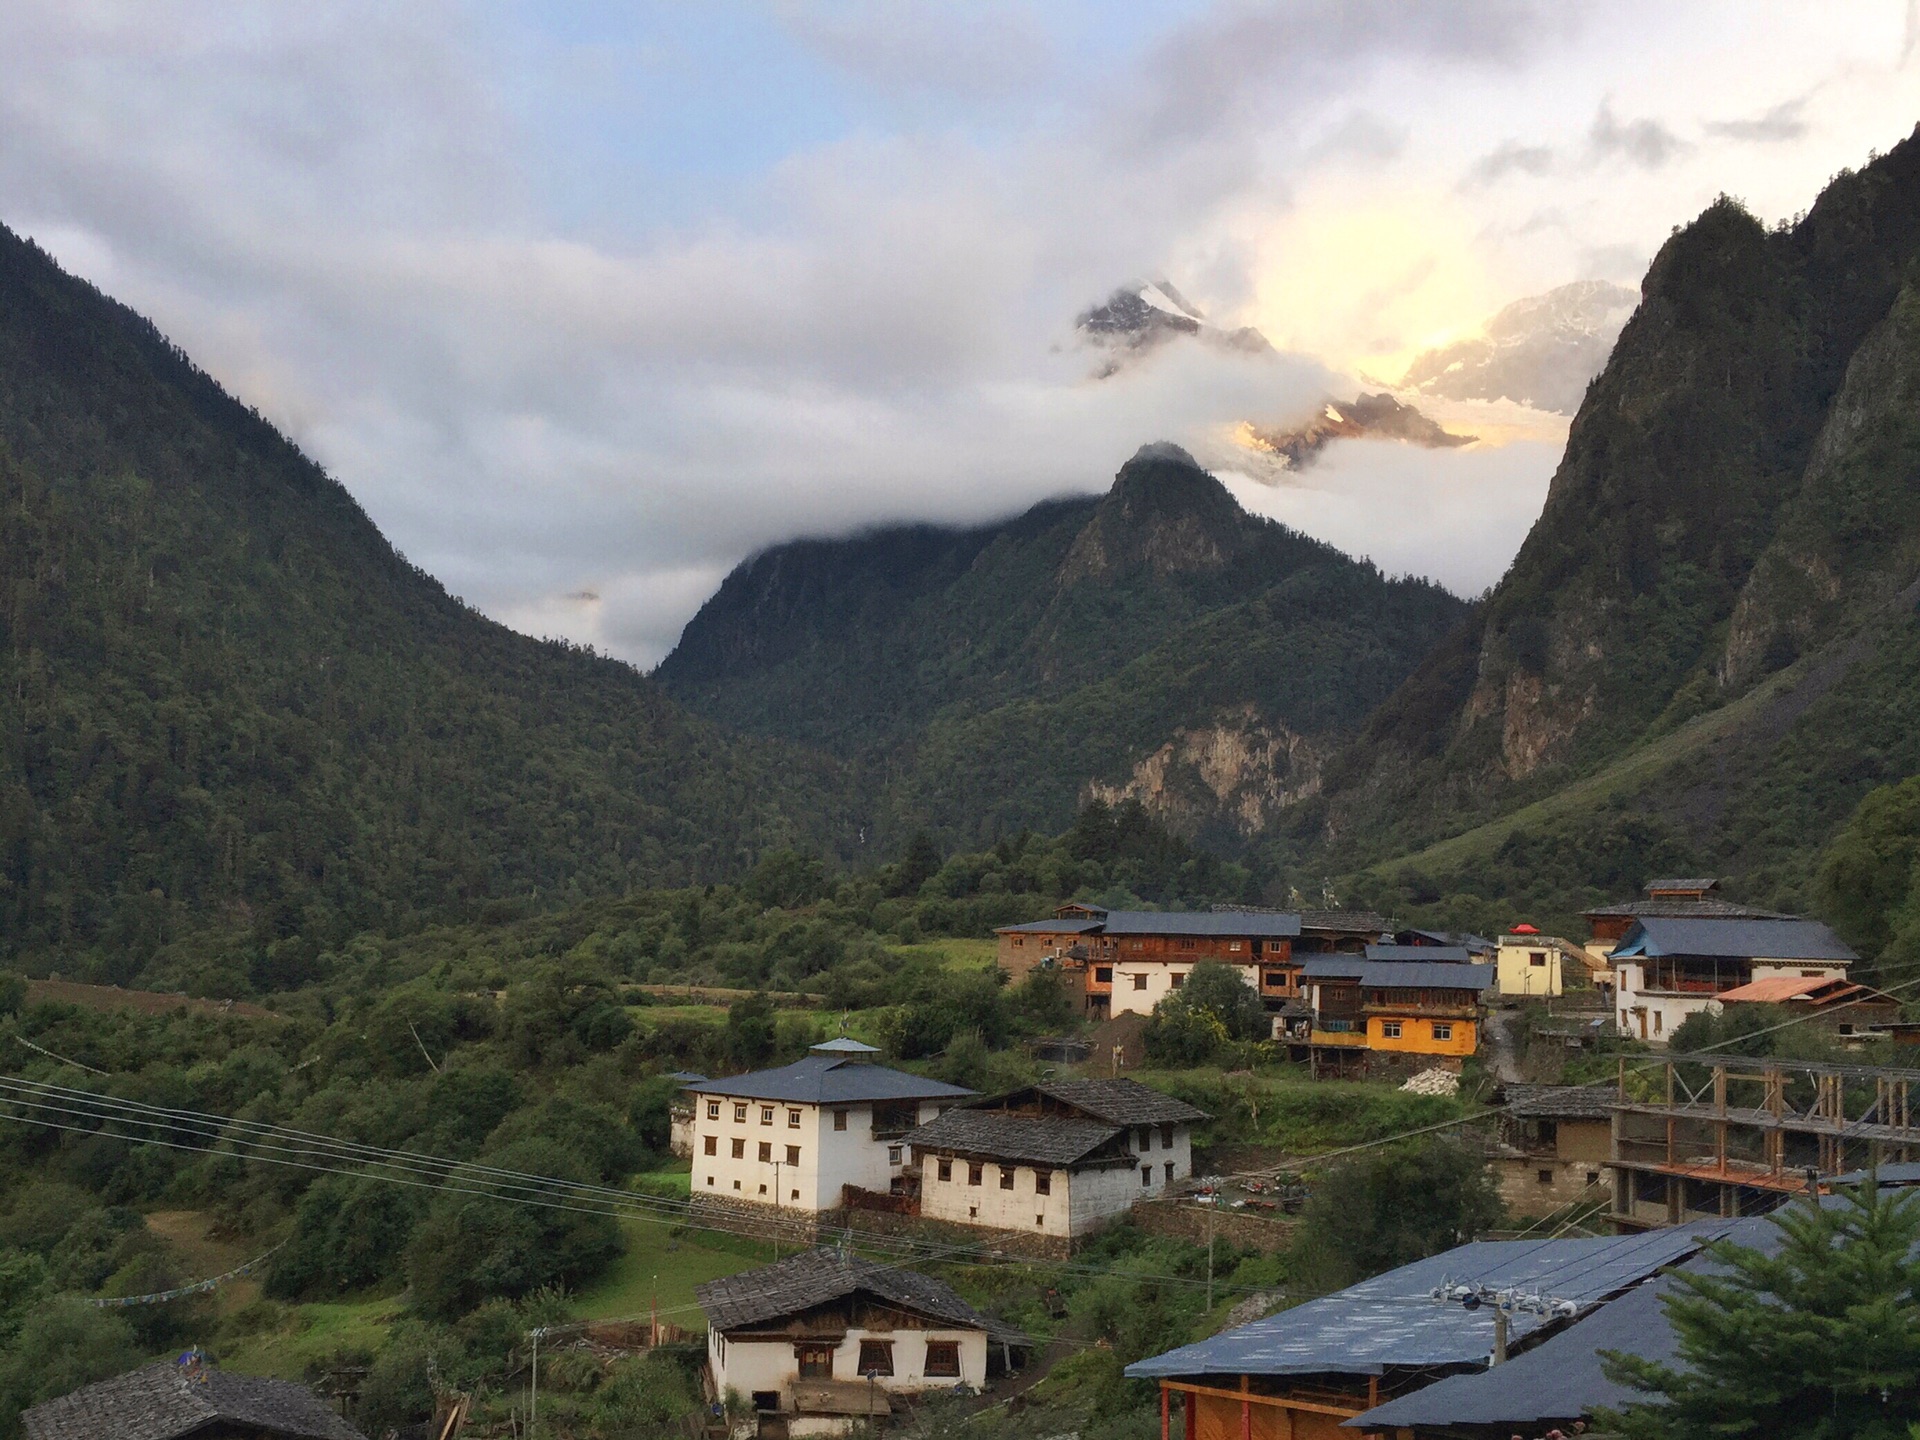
column 794, row 1137
column 1668, row 969
column 825, row 1341
column 1055, row 1160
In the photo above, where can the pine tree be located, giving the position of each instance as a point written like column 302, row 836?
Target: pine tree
column 1817, row 1338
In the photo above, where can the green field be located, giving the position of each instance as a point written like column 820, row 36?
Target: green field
column 662, row 1267
column 952, row 954
column 314, row 1332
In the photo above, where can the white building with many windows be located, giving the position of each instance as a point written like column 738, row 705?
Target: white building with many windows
column 793, row 1138
column 1055, row 1160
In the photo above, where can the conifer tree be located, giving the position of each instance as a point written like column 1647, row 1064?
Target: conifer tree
column 1815, row 1338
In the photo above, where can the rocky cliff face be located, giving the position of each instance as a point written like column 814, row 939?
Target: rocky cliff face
column 1730, row 484
column 1239, row 772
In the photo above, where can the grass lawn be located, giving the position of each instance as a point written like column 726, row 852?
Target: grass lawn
column 706, row 1014
column 953, row 954
column 660, row 1265
column 313, row 1332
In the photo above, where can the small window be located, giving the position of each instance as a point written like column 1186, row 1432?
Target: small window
column 1042, row 1182
column 739, row 1114
column 1276, row 979
column 763, row 1189
column 946, row 1169
column 794, row 1196
column 1179, row 978
column 1139, row 944
column 1390, row 1029
column 1189, row 944
column 1442, row 1030
column 876, row 1357
column 709, row 1182
column 1538, row 959
column 713, row 1109
column 1140, row 982
column 839, row 1119
column 973, row 1174
column 793, row 1154
column 1169, row 1169
column 1593, row 1177
column 736, row 1184
column 815, row 1361
column 1006, row 1177
column 739, row 1148
column 1146, row 1176
column 1235, row 947
column 1545, row 1177
column 1143, row 1140
column 793, row 1119
column 895, row 1154
column 713, row 1145
column 973, row 1212
column 943, row 1359
column 1018, row 942
column 766, row 1152
column 1166, row 1137
column 1040, row 1222
column 1103, row 975
column 1656, row 1022
column 766, row 1114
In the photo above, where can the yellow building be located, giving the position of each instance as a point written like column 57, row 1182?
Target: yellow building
column 1529, row 965
column 1418, row 1007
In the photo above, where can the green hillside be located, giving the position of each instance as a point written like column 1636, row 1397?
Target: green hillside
column 229, row 709
column 1705, row 653
column 1157, row 641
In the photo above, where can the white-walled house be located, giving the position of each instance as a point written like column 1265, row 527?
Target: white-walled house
column 823, row 1341
column 1667, row 969
column 1055, row 1160
column 794, row 1137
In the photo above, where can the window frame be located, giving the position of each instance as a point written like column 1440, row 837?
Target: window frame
column 942, row 1360
column 870, row 1350
column 812, row 1360
column 1391, row 1030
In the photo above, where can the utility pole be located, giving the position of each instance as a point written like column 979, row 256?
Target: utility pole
column 1499, row 1336
column 533, row 1402
column 1211, row 1211
column 776, row 1209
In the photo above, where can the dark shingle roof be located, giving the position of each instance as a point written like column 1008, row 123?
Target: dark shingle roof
column 1558, row 1102
column 1203, row 922
column 1701, row 883
column 1346, row 922
column 819, row 1277
column 1122, row 1102
column 1400, row 975
column 1682, row 909
column 831, row 1080
column 159, row 1402
column 1049, row 927
column 1028, row 1139
column 1421, row 954
column 1733, row 939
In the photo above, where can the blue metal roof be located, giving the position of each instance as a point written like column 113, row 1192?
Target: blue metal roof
column 830, row 1080
column 1394, row 1321
column 1659, row 936
column 1401, row 974
column 1423, row 954
column 1562, row 1379
column 1049, row 927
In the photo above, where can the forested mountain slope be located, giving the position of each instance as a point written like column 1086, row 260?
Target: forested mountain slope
column 1713, row 614
column 227, row 704
column 1156, row 642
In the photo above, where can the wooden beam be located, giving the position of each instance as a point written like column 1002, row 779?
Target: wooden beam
column 1345, row 1412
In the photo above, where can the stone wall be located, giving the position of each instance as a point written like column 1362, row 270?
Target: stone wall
column 1183, row 1220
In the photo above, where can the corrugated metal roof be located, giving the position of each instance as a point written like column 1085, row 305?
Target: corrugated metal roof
column 830, row 1080
column 1400, row 975
column 1561, row 1379
column 1732, row 940
column 1423, row 954
column 1818, row 990
column 1392, row 1321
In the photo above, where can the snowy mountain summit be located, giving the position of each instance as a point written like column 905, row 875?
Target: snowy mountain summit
column 1540, row 351
column 1138, row 318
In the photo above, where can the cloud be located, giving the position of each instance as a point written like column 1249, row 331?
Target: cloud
column 1644, row 142
column 1508, row 158
column 1785, row 121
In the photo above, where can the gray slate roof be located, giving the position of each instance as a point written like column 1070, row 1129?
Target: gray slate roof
column 1558, row 1102
column 1025, row 1139
column 1682, row 909
column 158, row 1402
column 1049, row 927
column 1226, row 923
column 1401, row 975
column 1392, row 1321
column 1733, row 939
column 819, row 1277
column 1346, row 922
column 1123, row 1102
column 1422, row 954
column 831, row 1080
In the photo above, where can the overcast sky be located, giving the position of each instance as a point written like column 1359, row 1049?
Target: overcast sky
column 586, row 302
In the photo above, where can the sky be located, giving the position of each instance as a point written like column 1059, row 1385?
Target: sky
column 587, row 302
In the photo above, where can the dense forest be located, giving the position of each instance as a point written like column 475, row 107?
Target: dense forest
column 230, row 712
column 986, row 678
